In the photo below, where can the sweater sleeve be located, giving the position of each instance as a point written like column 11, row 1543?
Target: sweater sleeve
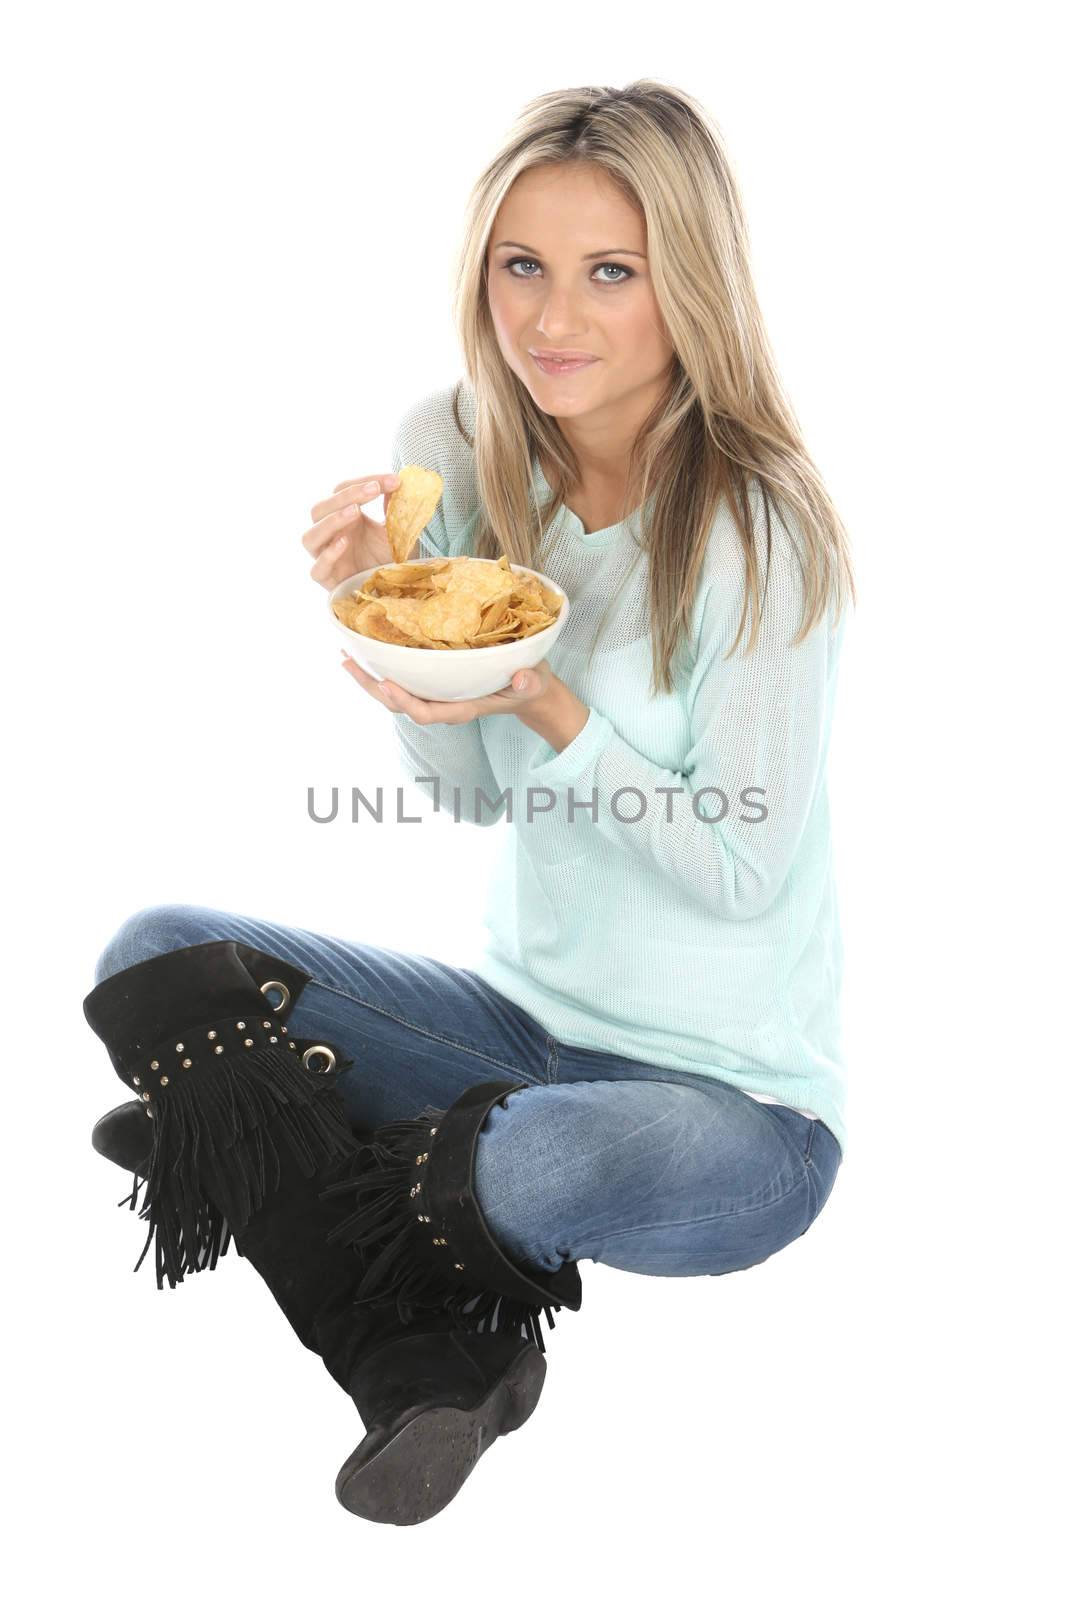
column 729, row 832
column 455, row 755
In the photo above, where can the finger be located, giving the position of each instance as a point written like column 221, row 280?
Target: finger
column 347, row 509
column 322, row 508
column 425, row 711
column 372, row 685
column 344, row 492
column 500, row 700
column 398, row 699
column 325, row 570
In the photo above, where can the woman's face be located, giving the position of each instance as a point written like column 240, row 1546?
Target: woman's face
column 574, row 277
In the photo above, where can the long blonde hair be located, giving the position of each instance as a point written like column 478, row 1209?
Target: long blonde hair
column 724, row 424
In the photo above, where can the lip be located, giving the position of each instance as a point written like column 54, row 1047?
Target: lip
column 562, row 355
column 560, row 368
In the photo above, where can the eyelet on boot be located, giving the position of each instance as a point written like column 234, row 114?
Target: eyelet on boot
column 276, row 983
column 321, row 1050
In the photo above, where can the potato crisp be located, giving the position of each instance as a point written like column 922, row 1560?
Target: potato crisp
column 461, row 603
column 411, row 505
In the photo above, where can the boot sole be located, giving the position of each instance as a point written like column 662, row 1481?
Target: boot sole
column 410, row 1471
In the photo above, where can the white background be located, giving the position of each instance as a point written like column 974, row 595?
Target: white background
column 230, row 236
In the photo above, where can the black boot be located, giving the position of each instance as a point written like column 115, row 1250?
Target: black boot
column 443, row 1350
column 432, row 1398
column 245, row 1119
column 432, row 1392
column 124, row 1135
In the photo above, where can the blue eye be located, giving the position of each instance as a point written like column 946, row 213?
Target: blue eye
column 613, row 266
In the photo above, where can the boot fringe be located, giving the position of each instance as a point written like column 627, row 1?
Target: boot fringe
column 220, row 1235
column 219, row 1134
column 386, row 1231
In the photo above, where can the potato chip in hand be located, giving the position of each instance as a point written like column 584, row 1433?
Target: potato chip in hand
column 411, row 505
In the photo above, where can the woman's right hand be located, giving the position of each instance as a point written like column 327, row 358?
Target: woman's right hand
column 343, row 538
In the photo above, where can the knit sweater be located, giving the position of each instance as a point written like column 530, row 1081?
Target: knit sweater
column 695, row 929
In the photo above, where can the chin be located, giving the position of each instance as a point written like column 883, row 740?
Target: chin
column 549, row 398
column 558, row 409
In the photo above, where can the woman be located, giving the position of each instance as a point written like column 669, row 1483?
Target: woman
column 643, row 1069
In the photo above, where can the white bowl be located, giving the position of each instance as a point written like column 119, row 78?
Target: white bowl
column 449, row 674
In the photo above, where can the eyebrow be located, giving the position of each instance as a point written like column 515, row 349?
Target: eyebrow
column 514, row 244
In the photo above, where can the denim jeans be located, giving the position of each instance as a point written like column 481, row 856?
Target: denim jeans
column 602, row 1158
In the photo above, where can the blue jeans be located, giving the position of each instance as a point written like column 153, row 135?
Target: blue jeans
column 602, row 1159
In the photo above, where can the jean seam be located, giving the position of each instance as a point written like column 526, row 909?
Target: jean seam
column 427, row 1033
column 809, row 1173
column 553, row 1061
column 805, row 1154
column 811, row 1141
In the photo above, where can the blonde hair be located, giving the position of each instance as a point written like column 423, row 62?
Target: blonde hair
column 724, row 424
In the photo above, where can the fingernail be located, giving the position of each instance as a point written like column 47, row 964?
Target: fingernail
column 522, row 681
column 387, row 693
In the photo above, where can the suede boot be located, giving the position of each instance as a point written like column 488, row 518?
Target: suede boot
column 459, row 1357
column 250, row 1141
column 245, row 1121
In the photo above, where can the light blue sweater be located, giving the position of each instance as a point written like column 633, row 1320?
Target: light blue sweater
column 690, row 937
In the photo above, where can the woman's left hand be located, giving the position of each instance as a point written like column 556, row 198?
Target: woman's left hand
column 528, row 685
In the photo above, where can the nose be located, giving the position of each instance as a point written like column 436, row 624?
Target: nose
column 559, row 322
